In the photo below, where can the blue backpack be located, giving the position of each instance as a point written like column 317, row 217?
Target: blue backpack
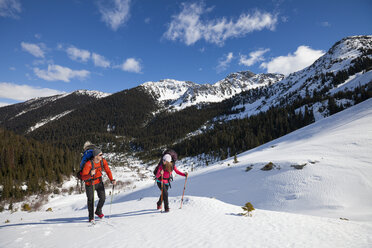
column 87, row 156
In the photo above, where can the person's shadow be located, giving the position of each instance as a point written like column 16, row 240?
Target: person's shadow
column 81, row 219
column 135, row 213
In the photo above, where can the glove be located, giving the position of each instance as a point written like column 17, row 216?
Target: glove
column 113, row 182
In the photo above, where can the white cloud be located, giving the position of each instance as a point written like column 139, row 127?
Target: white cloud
column 304, row 56
column 60, row 73
column 254, row 57
column 10, row 8
column 325, row 24
column 77, row 54
column 224, row 63
column 131, row 65
column 284, row 19
column 60, row 46
column 188, row 27
column 100, row 61
column 24, row 92
column 116, row 14
column 83, row 55
column 34, row 49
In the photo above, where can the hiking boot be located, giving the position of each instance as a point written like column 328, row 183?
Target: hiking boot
column 90, row 220
column 158, row 207
column 166, row 210
column 100, row 215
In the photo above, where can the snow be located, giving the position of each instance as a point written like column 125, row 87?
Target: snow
column 47, row 120
column 38, row 102
column 294, row 207
column 92, row 93
column 202, row 222
column 167, row 89
column 354, row 81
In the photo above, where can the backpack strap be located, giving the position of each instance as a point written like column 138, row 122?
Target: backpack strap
column 93, row 166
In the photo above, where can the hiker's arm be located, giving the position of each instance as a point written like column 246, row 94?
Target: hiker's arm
column 107, row 170
column 179, row 172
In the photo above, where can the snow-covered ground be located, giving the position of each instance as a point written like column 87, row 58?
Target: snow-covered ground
column 294, row 207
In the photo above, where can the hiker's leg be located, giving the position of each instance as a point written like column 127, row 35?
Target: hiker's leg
column 165, row 196
column 102, row 197
column 159, row 202
column 89, row 192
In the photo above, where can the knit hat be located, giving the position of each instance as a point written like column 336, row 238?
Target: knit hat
column 167, row 158
column 96, row 152
column 87, row 145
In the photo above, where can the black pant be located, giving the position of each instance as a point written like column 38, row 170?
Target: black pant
column 165, row 196
column 100, row 188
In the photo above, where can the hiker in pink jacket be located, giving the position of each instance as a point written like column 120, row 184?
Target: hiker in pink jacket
column 164, row 172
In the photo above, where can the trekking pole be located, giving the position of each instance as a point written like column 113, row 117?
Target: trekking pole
column 93, row 196
column 161, row 198
column 81, row 186
column 93, row 200
column 112, row 196
column 184, row 187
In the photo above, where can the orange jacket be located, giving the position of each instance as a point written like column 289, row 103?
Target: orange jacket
column 85, row 174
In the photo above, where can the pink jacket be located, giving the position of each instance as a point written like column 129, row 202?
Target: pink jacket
column 166, row 174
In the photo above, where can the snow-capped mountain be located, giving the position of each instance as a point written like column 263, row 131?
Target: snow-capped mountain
column 344, row 67
column 182, row 94
column 93, row 93
column 346, row 54
column 167, row 89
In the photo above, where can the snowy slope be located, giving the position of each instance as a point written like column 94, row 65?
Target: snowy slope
column 295, row 208
column 30, row 115
column 202, row 222
column 336, row 181
column 39, row 102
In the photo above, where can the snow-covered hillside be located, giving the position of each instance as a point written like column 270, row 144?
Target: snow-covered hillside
column 28, row 116
column 337, row 162
column 39, row 102
column 295, row 207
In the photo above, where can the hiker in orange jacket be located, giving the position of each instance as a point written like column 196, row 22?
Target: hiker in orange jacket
column 92, row 175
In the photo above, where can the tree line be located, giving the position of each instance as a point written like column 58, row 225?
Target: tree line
column 227, row 138
column 28, row 162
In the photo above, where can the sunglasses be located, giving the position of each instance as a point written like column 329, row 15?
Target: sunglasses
column 100, row 155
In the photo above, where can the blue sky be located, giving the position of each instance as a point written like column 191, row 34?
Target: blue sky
column 51, row 47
